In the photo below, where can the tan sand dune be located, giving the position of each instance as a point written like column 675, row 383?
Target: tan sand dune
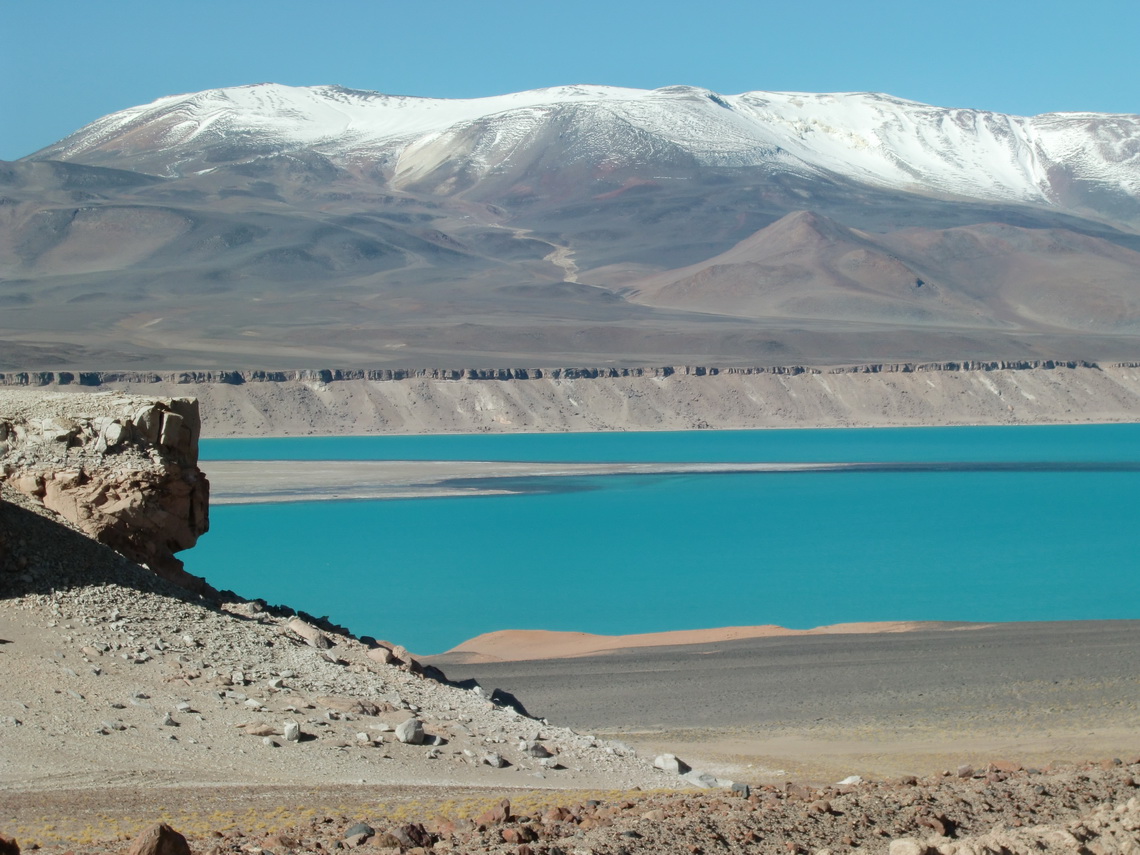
column 516, row 645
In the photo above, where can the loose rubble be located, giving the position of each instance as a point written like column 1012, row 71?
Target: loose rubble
column 1086, row 809
column 136, row 674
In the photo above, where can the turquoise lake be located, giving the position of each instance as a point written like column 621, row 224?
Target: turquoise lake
column 1032, row 523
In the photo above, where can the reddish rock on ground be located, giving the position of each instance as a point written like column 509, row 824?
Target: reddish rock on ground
column 160, row 839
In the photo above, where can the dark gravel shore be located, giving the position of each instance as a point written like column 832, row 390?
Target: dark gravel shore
column 1014, row 666
column 1017, row 690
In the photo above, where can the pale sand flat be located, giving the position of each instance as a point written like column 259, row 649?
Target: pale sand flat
column 258, row 481
column 519, row 645
column 265, row 481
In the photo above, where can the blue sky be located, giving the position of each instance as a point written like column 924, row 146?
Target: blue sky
column 66, row 63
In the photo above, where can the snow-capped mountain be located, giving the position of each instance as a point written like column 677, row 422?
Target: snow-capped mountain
column 273, row 226
column 1062, row 159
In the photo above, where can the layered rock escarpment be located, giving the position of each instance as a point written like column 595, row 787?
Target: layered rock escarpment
column 679, row 397
column 333, row 375
column 122, row 468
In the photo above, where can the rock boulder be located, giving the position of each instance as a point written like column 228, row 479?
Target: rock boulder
column 160, row 839
column 123, row 469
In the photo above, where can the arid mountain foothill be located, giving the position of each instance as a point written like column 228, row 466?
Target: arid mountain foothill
column 279, row 227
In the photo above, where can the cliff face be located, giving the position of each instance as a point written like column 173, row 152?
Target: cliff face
column 122, row 468
column 332, row 375
column 509, row 400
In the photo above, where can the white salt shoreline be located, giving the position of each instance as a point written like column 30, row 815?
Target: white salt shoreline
column 253, row 481
column 271, row 481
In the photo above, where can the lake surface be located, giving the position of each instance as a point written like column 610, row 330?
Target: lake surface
column 1051, row 538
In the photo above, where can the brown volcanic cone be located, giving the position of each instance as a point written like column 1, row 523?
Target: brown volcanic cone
column 808, row 266
column 1038, row 278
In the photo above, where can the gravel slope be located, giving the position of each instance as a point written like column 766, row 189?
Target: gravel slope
column 111, row 675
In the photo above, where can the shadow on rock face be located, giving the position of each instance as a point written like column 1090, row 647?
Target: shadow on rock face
column 124, row 470
column 501, row 697
column 39, row 555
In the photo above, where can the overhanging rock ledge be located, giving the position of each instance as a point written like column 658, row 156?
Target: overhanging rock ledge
column 122, row 468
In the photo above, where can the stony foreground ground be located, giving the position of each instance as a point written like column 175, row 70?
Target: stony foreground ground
column 1088, row 809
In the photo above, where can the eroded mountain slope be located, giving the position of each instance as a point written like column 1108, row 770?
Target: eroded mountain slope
column 271, row 226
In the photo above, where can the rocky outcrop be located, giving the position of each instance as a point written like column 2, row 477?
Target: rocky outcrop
column 123, row 469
